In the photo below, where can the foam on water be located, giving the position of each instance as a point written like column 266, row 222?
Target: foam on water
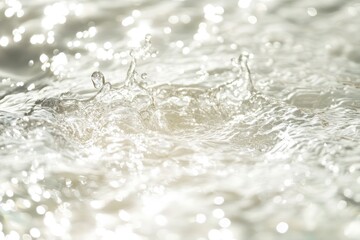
column 242, row 122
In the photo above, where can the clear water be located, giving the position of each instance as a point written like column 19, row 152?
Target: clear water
column 232, row 120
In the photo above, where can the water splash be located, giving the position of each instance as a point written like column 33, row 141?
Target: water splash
column 241, row 63
column 143, row 52
column 163, row 107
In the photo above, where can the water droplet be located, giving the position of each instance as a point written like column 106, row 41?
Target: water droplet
column 244, row 57
column 144, row 76
column 234, row 62
column 98, row 79
column 154, row 53
column 132, row 53
column 148, row 37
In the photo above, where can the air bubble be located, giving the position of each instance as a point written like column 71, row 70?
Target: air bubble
column 98, row 79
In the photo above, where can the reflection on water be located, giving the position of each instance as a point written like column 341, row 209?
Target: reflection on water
column 232, row 120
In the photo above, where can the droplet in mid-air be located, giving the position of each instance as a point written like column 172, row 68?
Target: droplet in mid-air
column 148, row 37
column 241, row 60
column 235, row 62
column 98, row 79
column 144, row 76
column 244, row 57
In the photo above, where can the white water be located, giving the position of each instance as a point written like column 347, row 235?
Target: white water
column 174, row 140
